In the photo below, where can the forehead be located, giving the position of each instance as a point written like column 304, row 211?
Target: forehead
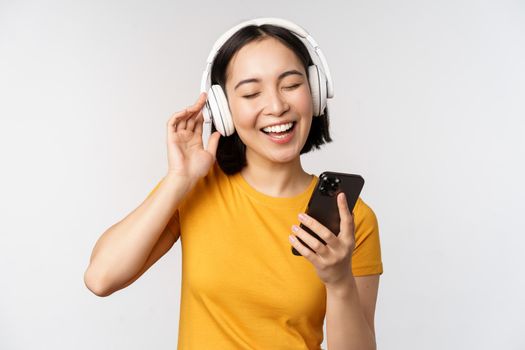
column 265, row 58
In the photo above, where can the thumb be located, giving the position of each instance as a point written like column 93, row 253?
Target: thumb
column 213, row 143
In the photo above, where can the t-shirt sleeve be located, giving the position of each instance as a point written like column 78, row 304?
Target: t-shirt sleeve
column 366, row 258
column 174, row 223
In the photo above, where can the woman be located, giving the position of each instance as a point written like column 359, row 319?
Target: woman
column 236, row 204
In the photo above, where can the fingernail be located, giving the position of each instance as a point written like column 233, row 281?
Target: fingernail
column 302, row 217
column 295, row 228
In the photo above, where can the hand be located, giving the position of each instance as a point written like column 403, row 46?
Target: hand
column 333, row 260
column 186, row 154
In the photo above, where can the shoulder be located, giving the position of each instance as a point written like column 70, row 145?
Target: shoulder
column 215, row 177
column 364, row 214
column 365, row 222
column 366, row 259
column 211, row 187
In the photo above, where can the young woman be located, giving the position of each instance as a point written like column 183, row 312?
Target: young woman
column 237, row 206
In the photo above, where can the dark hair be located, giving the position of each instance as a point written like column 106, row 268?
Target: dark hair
column 231, row 151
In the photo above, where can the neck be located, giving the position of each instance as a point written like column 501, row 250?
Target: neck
column 275, row 179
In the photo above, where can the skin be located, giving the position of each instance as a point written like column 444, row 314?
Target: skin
column 272, row 168
column 276, row 170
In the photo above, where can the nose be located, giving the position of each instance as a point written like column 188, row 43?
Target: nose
column 276, row 104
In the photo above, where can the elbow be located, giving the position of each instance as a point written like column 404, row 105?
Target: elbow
column 95, row 283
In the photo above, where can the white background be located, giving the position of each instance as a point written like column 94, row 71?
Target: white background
column 428, row 108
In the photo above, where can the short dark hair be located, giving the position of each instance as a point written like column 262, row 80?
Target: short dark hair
column 231, row 151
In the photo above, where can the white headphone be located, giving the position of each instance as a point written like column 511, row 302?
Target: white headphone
column 320, row 80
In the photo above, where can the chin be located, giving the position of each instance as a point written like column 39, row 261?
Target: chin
column 285, row 158
column 276, row 153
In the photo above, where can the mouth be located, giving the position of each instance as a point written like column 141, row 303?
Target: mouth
column 279, row 131
column 280, row 134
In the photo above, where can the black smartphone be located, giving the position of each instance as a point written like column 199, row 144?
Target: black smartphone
column 323, row 202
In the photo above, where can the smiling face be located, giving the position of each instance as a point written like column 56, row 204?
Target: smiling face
column 266, row 85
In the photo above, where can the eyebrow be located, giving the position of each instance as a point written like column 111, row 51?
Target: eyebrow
column 281, row 76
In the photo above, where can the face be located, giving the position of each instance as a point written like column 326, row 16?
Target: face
column 268, row 92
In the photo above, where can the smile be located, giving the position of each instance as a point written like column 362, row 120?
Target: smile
column 278, row 129
column 280, row 134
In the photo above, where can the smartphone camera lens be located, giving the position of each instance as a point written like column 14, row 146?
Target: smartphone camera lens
column 329, row 185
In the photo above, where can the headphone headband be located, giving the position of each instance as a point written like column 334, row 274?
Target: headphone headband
column 313, row 48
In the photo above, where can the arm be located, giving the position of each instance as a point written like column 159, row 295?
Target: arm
column 121, row 254
column 350, row 309
column 351, row 300
column 131, row 246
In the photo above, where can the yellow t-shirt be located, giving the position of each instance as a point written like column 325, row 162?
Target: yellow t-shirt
column 242, row 288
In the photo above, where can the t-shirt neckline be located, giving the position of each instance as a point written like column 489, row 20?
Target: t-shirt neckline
column 293, row 201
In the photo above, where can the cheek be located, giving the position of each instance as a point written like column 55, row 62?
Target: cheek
column 303, row 102
column 243, row 113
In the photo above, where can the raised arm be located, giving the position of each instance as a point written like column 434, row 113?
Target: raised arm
column 128, row 248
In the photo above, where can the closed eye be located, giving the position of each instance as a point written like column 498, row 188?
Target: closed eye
column 291, row 87
column 251, row 96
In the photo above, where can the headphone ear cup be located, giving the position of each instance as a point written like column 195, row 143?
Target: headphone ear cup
column 220, row 111
column 317, row 81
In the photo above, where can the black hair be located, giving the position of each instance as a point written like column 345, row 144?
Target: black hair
column 231, row 151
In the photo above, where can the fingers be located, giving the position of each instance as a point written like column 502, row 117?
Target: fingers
column 181, row 124
column 175, row 117
column 321, row 230
column 342, row 204
column 179, row 121
column 312, row 242
column 303, row 250
column 197, row 106
column 199, row 121
column 192, row 124
column 347, row 220
column 213, row 143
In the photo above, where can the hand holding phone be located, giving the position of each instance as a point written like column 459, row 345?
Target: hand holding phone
column 323, row 202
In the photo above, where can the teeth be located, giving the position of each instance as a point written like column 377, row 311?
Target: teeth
column 278, row 128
